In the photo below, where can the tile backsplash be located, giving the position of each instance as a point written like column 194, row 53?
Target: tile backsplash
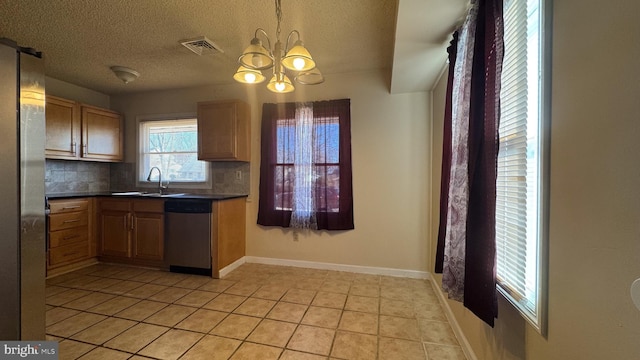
column 226, row 180
column 63, row 176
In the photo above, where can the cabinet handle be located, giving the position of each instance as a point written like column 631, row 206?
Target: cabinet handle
column 70, row 237
column 131, row 221
column 71, row 253
column 70, row 221
column 74, row 148
column 84, row 150
column 70, row 207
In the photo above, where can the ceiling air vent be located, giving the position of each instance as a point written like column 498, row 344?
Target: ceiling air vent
column 201, row 46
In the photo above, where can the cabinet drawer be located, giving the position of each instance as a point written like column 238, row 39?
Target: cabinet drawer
column 114, row 205
column 68, row 253
column 68, row 236
column 65, row 206
column 151, row 205
column 68, row 220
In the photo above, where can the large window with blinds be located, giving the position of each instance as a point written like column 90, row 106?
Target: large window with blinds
column 522, row 161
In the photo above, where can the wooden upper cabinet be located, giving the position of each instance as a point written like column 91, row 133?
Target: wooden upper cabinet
column 63, row 128
column 102, row 134
column 82, row 132
column 224, row 131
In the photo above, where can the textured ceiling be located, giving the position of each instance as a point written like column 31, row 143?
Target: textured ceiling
column 82, row 39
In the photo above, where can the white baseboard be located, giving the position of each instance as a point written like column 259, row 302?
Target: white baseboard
column 339, row 267
column 457, row 330
column 229, row 268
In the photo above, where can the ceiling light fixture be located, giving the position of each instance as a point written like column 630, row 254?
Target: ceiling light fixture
column 125, row 74
column 256, row 58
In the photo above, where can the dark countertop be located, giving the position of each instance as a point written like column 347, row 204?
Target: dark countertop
column 110, row 194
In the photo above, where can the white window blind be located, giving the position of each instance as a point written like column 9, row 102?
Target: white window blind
column 519, row 202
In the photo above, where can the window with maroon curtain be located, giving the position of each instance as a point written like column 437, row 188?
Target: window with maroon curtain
column 329, row 139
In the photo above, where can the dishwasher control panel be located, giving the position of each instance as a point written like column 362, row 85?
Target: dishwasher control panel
column 188, row 206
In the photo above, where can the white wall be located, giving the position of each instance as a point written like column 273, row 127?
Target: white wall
column 594, row 237
column 595, row 183
column 77, row 93
column 390, row 154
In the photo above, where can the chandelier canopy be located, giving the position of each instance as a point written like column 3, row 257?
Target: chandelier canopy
column 297, row 59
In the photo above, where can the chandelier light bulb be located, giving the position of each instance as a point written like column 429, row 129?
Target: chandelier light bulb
column 298, row 63
column 250, row 78
column 280, row 84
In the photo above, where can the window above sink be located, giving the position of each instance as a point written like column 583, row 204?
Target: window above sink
column 170, row 143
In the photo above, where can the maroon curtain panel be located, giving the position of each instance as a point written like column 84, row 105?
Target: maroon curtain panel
column 446, row 157
column 267, row 213
column 480, row 294
column 276, row 192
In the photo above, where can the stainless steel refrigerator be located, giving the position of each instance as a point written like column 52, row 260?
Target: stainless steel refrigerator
column 22, row 216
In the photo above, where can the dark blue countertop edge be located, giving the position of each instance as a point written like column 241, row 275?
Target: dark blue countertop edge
column 109, row 194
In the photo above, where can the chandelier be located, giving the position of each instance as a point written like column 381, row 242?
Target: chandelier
column 296, row 59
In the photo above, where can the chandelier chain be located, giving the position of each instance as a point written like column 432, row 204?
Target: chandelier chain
column 279, row 17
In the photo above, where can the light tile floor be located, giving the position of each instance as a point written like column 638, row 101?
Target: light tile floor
column 257, row 312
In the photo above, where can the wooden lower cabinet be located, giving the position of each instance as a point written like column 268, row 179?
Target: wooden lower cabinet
column 71, row 243
column 229, row 232
column 147, row 229
column 114, row 233
column 132, row 231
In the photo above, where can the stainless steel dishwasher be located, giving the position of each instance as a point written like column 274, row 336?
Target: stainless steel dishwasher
column 188, row 236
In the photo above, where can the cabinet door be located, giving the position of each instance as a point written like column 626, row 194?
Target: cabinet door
column 114, row 233
column 148, row 236
column 223, row 131
column 63, row 129
column 102, row 135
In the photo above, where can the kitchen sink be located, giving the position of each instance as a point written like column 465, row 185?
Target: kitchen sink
column 140, row 193
column 160, row 195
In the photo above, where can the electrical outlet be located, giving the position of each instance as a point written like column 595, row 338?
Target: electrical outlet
column 238, row 175
column 295, row 235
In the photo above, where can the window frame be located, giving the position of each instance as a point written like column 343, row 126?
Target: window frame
column 140, row 172
column 539, row 319
column 268, row 215
column 290, row 165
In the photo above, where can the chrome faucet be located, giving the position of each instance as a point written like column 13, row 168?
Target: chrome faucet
column 160, row 187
